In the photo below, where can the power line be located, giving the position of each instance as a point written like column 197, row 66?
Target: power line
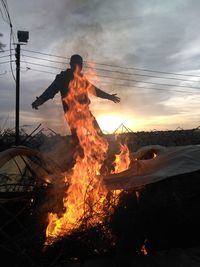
column 45, row 54
column 49, row 60
column 158, row 89
column 123, row 79
column 124, row 85
column 5, row 62
column 11, row 34
column 5, row 72
column 116, row 66
column 145, row 75
column 150, row 88
column 2, row 15
column 7, row 50
column 115, row 71
column 24, row 59
column 148, row 82
column 5, row 56
column 42, row 71
column 109, row 83
column 41, row 65
column 7, row 12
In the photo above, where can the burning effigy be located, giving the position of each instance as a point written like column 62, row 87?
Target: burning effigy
column 86, row 195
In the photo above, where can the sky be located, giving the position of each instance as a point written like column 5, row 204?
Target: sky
column 154, row 36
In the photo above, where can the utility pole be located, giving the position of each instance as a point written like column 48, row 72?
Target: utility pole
column 17, row 141
column 22, row 40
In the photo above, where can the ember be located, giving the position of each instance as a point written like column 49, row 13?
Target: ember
column 144, row 249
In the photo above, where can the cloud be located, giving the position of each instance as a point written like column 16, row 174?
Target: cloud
column 156, row 35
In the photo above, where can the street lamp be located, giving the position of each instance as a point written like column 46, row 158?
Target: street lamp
column 23, row 37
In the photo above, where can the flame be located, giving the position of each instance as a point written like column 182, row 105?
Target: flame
column 121, row 163
column 122, row 160
column 144, row 250
column 85, row 197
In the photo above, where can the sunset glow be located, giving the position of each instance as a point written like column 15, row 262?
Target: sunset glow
column 110, row 122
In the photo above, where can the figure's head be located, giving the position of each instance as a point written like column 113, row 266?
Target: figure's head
column 76, row 63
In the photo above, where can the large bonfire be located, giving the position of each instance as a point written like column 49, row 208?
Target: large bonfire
column 85, row 199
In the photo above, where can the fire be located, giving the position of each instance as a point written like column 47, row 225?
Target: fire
column 86, row 194
column 122, row 160
column 121, row 163
column 144, row 250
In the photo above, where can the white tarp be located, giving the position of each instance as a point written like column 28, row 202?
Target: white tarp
column 169, row 162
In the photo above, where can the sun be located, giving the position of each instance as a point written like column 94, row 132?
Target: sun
column 110, row 122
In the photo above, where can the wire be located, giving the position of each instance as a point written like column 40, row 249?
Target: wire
column 116, row 66
column 49, row 60
column 123, row 79
column 4, row 51
column 3, row 73
column 5, row 62
column 7, row 13
column 2, row 15
column 5, row 56
column 149, row 88
column 4, row 19
column 11, row 35
column 24, row 59
column 145, row 75
column 115, row 71
column 46, row 54
column 43, row 71
column 154, row 83
column 124, row 85
column 41, row 65
column 153, row 88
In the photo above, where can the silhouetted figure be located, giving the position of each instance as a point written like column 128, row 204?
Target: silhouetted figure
column 62, row 83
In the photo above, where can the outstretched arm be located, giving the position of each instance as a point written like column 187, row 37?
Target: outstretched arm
column 99, row 93
column 49, row 93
